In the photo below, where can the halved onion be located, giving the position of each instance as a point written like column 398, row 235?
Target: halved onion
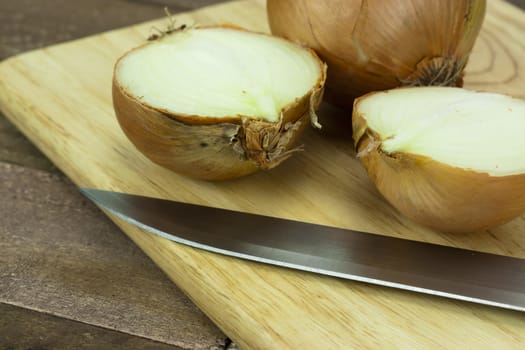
column 448, row 158
column 217, row 102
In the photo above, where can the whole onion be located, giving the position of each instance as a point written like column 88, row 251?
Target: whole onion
column 374, row 45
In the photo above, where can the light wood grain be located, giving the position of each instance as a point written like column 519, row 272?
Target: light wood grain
column 60, row 97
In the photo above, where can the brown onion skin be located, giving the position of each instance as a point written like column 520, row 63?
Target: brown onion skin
column 381, row 44
column 435, row 194
column 212, row 148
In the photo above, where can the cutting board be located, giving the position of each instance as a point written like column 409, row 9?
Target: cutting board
column 60, row 97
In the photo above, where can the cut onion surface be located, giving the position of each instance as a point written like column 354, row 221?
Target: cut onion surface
column 217, row 102
column 448, row 158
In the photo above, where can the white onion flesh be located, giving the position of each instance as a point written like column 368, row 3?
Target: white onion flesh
column 478, row 131
column 218, row 73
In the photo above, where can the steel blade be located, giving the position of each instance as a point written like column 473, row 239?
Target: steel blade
column 416, row 266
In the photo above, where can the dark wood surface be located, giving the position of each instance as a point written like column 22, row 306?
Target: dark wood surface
column 65, row 285
column 26, row 329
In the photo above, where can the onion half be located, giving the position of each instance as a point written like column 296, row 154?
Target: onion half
column 447, row 158
column 373, row 45
column 217, row 102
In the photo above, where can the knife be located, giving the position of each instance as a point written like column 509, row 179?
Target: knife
column 456, row 273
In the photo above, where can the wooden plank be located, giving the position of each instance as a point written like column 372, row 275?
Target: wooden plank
column 73, row 123
column 86, row 272
column 26, row 329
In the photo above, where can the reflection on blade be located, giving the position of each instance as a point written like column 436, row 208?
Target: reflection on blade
column 421, row 267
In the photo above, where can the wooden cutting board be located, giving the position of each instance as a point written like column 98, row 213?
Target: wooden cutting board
column 60, row 97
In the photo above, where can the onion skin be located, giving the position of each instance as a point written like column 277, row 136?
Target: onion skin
column 372, row 45
column 435, row 194
column 214, row 148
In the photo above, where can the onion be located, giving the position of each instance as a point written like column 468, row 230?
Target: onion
column 218, row 102
column 378, row 45
column 448, row 158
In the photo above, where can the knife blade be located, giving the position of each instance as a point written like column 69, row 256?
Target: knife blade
column 444, row 271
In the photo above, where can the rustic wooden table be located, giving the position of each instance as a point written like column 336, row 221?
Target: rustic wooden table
column 68, row 286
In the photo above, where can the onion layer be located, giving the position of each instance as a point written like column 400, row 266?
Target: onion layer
column 372, row 45
column 219, row 102
column 448, row 158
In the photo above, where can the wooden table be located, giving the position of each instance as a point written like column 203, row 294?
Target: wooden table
column 55, row 278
